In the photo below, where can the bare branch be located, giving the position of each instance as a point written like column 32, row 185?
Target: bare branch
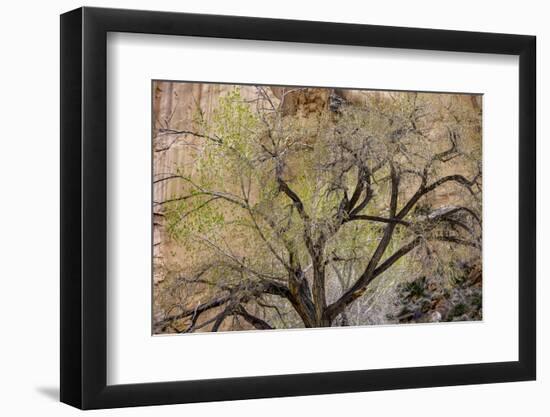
column 378, row 219
column 257, row 322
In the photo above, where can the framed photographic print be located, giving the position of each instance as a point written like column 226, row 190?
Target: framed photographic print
column 256, row 208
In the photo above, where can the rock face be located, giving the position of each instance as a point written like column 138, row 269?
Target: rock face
column 302, row 101
column 175, row 109
column 176, row 104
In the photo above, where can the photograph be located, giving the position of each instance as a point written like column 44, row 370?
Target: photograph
column 294, row 207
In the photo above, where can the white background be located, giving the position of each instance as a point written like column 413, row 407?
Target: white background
column 30, row 237
column 134, row 356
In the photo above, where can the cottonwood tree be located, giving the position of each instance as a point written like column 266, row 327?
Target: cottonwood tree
column 275, row 207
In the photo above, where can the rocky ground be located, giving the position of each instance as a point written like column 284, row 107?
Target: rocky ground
column 427, row 299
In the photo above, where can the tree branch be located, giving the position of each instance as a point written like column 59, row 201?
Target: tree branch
column 257, row 322
column 423, row 190
column 367, row 276
column 378, row 219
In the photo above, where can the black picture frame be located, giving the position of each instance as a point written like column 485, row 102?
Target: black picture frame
column 84, row 207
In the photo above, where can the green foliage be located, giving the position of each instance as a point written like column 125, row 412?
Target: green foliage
column 232, row 133
column 191, row 216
